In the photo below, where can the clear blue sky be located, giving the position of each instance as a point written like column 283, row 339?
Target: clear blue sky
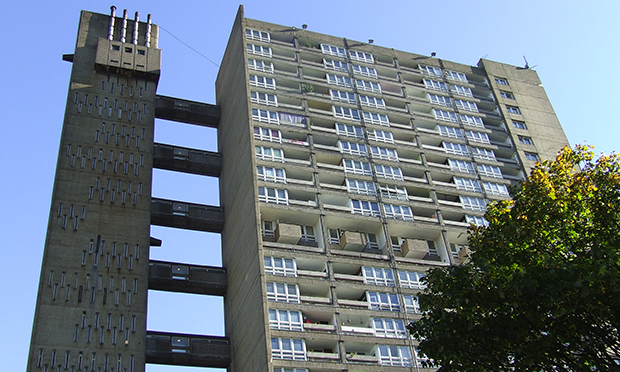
column 575, row 46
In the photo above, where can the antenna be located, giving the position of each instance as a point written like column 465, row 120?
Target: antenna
column 527, row 65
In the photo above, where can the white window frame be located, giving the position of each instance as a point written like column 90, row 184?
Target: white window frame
column 476, row 220
column 265, row 116
column 280, row 266
column 339, row 80
column 531, row 156
column 456, row 76
column 352, row 148
column 506, row 95
column 361, row 56
column 384, row 153
column 430, row 70
column 482, row 153
column 372, row 102
column 288, row 349
column 267, row 229
column 489, row 171
column 393, row 355
column 461, row 90
column 259, row 50
column 398, row 212
column 336, row 65
column 381, row 136
column 466, row 105
column 360, row 187
column 461, row 166
column 473, row 204
column 383, row 301
column 474, row 121
column 270, row 174
column 253, row 64
column 436, row 85
column 495, row 188
column 269, row 153
column 501, row 81
column 477, row 137
column 412, row 304
column 393, row 192
column 526, row 140
column 389, row 328
column 451, row 132
column 365, row 71
column 388, row 172
column 283, row 292
column 519, row 124
column 272, row 195
column 252, row 34
column 266, row 99
column 349, row 130
column 356, row 167
column 378, row 276
column 267, row 134
column 411, row 279
column 445, row 115
column 282, row 320
column 262, row 82
column 307, row 234
column 456, row 148
column 437, row 99
column 368, row 86
column 346, row 113
column 375, row 118
column 342, row 96
column 365, row 208
column 513, row 110
column 333, row 50
column 467, row 184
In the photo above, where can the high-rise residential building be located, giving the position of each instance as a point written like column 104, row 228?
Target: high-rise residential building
column 346, row 171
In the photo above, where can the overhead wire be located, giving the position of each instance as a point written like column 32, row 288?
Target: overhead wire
column 187, row 45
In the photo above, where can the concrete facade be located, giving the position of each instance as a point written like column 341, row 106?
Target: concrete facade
column 346, row 171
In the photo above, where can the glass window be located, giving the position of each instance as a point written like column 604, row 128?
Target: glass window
column 378, row 276
column 466, row 105
column 461, row 166
column 429, row 70
column 280, row 266
column 270, row 174
column 383, row 153
column 467, row 184
column 361, row 187
column 285, row 320
column 495, row 188
column 385, row 171
column 412, row 304
column 271, row 195
column 346, row 113
column 477, row 137
column 481, row 153
column 352, row 148
column 307, row 234
column 519, row 124
column 288, row 349
column 411, row 279
column 445, row 115
column 262, row 82
column 456, row 148
column 356, row 167
column 451, row 132
column 282, row 292
column 333, row 50
column 506, row 95
column 526, row 140
column 372, row 102
column 349, row 130
column 383, row 301
column 456, row 76
column 342, row 96
column 489, row 171
column 267, row 228
column 439, row 100
column 257, row 35
column 380, row 136
column 389, row 328
column 461, row 90
column 368, row 86
column 292, row 119
column 435, row 85
column 513, row 110
column 476, row 220
column 374, row 118
column 365, row 208
column 473, row 121
column 265, row 116
column 268, row 153
column 264, row 98
column 474, row 204
column 341, row 81
column 365, row 71
column 531, row 156
column 501, row 81
column 266, row 134
column 393, row 192
column 257, row 65
column 398, row 212
column 336, row 65
column 392, row 355
column 361, row 56
column 259, row 50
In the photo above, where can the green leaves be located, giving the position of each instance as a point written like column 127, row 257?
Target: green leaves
column 542, row 288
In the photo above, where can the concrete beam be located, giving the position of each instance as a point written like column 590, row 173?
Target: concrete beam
column 189, row 216
column 187, row 350
column 183, row 159
column 178, row 277
column 185, row 111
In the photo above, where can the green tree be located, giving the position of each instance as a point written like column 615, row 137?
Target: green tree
column 541, row 289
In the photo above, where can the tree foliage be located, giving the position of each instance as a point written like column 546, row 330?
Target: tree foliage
column 541, row 290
